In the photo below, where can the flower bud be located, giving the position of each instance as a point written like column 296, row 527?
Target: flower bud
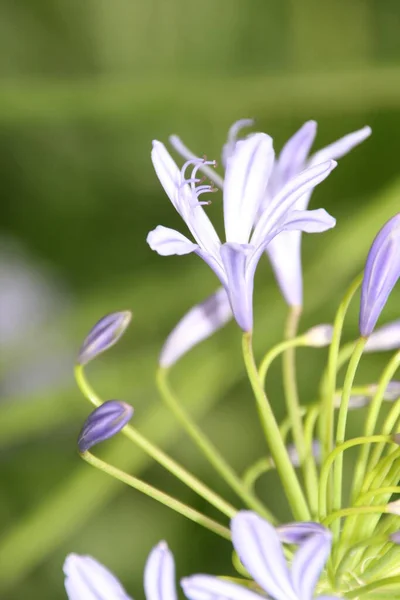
column 394, row 507
column 297, row 533
column 395, row 537
column 104, row 422
column 319, row 336
column 381, row 273
column 103, row 335
column 384, row 338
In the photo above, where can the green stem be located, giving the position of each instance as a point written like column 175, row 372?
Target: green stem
column 354, row 511
column 341, row 428
column 391, row 423
column 275, row 352
column 149, row 490
column 328, row 398
column 310, row 463
column 209, row 450
column 279, row 453
column 375, row 585
column 370, row 424
column 158, row 455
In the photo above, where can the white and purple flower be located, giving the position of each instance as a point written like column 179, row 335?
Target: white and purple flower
column 87, row 579
column 259, row 548
column 250, row 223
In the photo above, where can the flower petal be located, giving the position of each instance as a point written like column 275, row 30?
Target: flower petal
column 104, row 422
column 310, row 221
column 246, row 178
column 297, row 533
column 285, row 256
column 166, row 242
column 341, row 147
column 308, row 563
column 229, row 147
column 294, row 153
column 159, row 574
column 167, row 171
column 87, row 579
column 197, row 325
column 259, row 549
column 206, row 587
column 385, row 338
column 238, row 287
column 274, row 214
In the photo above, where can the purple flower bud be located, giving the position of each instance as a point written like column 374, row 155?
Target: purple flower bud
column 384, row 338
column 297, row 533
column 103, row 335
column 104, row 422
column 381, row 273
column 395, row 537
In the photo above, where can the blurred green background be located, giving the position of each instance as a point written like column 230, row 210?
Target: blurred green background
column 85, row 87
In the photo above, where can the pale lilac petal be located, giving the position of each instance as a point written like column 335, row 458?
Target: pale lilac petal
column 239, row 288
column 87, row 579
column 187, row 154
column 293, row 156
column 206, row 587
column 167, row 242
column 285, row 257
column 197, row 325
column 259, row 549
column 341, row 147
column 167, row 171
column 246, row 178
column 382, row 270
column 319, row 336
column 310, row 221
column 229, row 146
column 308, row 563
column 385, row 338
column 277, row 210
column 297, row 533
column 159, row 574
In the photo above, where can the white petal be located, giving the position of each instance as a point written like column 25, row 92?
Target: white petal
column 166, row 242
column 233, row 133
column 205, row 587
column 308, row 563
column 87, row 579
column 341, row 147
column 277, row 210
column 246, row 178
column 238, row 287
column 385, row 338
column 167, row 171
column 310, row 221
column 159, row 574
column 284, row 252
column 292, row 159
column 259, row 549
column 197, row 325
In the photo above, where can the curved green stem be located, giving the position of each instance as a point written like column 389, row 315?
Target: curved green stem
column 354, row 511
column 149, row 490
column 209, row 450
column 276, row 351
column 277, row 448
column 158, row 455
column 375, row 585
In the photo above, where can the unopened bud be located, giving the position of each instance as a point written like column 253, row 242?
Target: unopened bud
column 319, row 336
column 103, row 335
column 104, row 422
column 297, row 533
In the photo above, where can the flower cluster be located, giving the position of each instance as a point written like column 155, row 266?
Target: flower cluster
column 339, row 543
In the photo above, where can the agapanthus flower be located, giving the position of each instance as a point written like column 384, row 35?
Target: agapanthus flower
column 103, row 423
column 260, row 550
column 248, row 228
column 384, row 338
column 87, row 579
column 382, row 270
column 103, row 335
column 285, row 250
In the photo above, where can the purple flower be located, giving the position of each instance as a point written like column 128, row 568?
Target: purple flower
column 384, row 338
column 297, row 533
column 285, row 249
column 104, row 422
column 260, row 551
column 197, row 325
column 103, row 335
column 87, row 579
column 381, row 273
column 248, row 229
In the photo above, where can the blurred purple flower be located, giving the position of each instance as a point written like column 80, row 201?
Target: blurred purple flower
column 382, row 270
column 260, row 551
column 384, row 338
column 103, row 335
column 197, row 325
column 297, row 533
column 104, row 422
column 248, row 229
column 87, row 579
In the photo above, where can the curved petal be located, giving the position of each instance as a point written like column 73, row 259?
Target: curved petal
column 167, row 242
column 341, row 147
column 206, row 587
column 259, row 549
column 274, row 214
column 197, row 325
column 87, row 579
column 238, row 287
column 294, row 153
column 297, row 533
column 385, row 338
column 284, row 253
column 167, row 171
column 159, row 574
column 229, row 147
column 308, row 563
column 246, row 178
column 310, row 221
